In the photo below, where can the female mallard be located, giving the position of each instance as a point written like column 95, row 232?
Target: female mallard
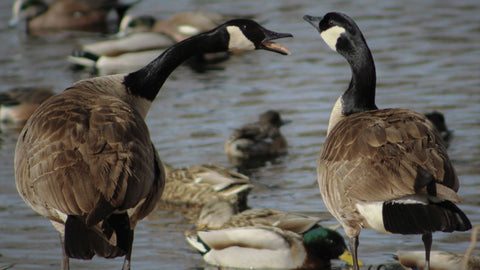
column 259, row 139
column 264, row 238
column 190, row 188
column 85, row 159
column 387, row 169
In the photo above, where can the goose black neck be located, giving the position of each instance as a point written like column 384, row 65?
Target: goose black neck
column 147, row 81
column 360, row 95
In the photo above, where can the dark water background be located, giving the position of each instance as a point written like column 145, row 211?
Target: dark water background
column 427, row 56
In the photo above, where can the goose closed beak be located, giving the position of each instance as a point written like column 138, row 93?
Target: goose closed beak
column 314, row 21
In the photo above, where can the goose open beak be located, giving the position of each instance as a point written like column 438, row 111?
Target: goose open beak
column 268, row 45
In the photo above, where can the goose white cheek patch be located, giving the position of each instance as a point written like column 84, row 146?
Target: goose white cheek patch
column 238, row 41
column 331, row 35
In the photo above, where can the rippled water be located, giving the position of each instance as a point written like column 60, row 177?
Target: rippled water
column 427, row 56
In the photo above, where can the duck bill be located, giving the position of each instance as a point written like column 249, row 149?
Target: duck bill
column 269, row 45
column 314, row 21
column 347, row 257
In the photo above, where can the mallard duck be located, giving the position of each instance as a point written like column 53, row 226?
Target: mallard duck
column 63, row 14
column 190, row 188
column 259, row 139
column 264, row 238
column 439, row 260
column 105, row 65
column 17, row 104
column 128, row 52
column 387, row 169
column 85, row 159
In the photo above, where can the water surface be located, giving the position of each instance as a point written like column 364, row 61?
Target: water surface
column 427, row 56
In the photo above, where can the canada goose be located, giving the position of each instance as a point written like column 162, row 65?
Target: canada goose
column 269, row 238
column 62, row 14
column 126, row 53
column 17, row 104
column 262, row 138
column 85, row 159
column 440, row 260
column 438, row 120
column 189, row 188
column 387, row 169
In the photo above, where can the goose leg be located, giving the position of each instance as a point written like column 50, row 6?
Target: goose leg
column 128, row 256
column 65, row 259
column 126, row 262
column 427, row 242
column 353, row 250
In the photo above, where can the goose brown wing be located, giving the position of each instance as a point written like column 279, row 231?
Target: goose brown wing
column 82, row 152
column 385, row 154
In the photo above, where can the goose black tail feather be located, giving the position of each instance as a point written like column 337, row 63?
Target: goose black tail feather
column 83, row 242
column 419, row 218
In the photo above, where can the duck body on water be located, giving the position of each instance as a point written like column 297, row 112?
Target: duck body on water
column 18, row 104
column 43, row 17
column 269, row 238
column 85, row 159
column 384, row 169
column 259, row 139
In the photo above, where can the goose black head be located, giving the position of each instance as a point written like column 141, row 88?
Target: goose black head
column 339, row 31
column 246, row 34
